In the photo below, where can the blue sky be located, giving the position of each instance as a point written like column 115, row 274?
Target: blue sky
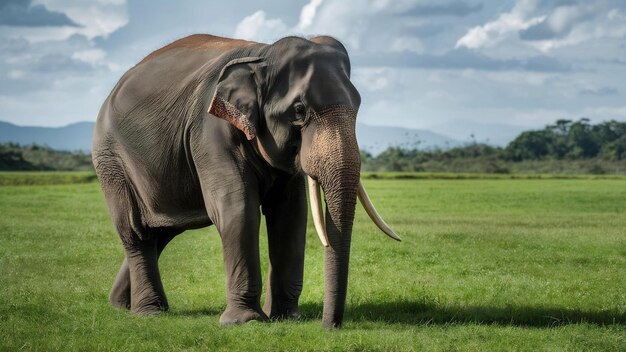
column 458, row 67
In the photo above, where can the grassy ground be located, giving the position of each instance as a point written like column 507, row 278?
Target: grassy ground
column 484, row 265
column 597, row 166
column 482, row 176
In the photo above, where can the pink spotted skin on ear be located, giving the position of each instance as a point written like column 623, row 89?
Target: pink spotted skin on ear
column 227, row 111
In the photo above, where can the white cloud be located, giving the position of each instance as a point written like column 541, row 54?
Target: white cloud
column 372, row 79
column 563, row 17
column 94, row 19
column 536, row 79
column 547, row 28
column 38, row 34
column 307, row 15
column 376, row 26
column 97, row 19
column 508, row 24
column 15, row 74
column 349, row 21
column 407, row 44
column 258, row 27
column 581, row 23
column 90, row 56
column 342, row 19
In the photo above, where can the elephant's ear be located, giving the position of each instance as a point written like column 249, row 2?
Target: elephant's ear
column 236, row 98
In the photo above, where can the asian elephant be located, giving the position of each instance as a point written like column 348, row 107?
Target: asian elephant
column 210, row 130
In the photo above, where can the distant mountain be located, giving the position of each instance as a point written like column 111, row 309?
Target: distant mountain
column 77, row 136
column 375, row 139
column 73, row 137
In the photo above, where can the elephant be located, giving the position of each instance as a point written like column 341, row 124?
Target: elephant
column 216, row 131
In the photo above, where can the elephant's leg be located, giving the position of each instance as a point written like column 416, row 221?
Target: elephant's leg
column 146, row 294
column 140, row 269
column 237, row 219
column 285, row 211
column 120, row 293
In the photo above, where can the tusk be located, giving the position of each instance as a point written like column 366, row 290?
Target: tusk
column 373, row 214
column 316, row 210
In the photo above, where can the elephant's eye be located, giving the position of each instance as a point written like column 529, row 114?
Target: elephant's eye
column 300, row 110
column 300, row 114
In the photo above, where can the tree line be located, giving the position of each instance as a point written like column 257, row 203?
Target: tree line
column 578, row 146
column 15, row 157
column 564, row 147
column 570, row 140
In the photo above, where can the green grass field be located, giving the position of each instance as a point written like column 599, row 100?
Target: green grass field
column 485, row 265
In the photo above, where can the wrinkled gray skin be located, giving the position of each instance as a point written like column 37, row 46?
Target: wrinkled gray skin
column 166, row 165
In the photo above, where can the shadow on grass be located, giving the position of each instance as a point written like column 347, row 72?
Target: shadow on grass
column 424, row 313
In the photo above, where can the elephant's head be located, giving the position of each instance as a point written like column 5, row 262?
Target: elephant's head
column 294, row 101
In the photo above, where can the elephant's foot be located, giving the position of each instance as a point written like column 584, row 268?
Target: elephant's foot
column 149, row 309
column 239, row 315
column 120, row 300
column 278, row 310
column 288, row 314
column 149, row 304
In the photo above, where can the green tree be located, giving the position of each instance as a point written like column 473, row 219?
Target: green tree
column 615, row 150
column 581, row 141
column 531, row 145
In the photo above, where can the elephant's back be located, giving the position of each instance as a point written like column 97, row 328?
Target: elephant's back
column 156, row 81
column 172, row 72
column 149, row 109
column 199, row 42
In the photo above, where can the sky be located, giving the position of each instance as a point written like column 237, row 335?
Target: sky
column 467, row 69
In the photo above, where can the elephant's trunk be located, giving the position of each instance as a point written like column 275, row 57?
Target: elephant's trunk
column 340, row 204
column 330, row 156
